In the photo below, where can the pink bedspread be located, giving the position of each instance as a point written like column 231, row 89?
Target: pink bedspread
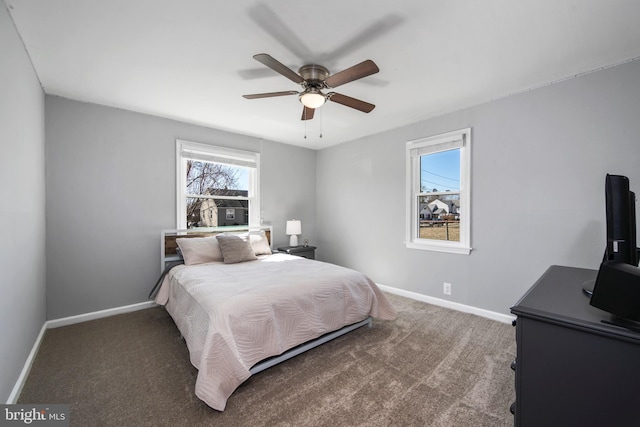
column 235, row 315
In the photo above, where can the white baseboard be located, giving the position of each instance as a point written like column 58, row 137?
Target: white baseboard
column 17, row 389
column 98, row 314
column 65, row 321
column 504, row 318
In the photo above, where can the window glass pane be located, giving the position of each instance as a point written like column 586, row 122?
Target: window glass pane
column 217, row 179
column 216, row 212
column 440, row 172
column 439, row 217
column 439, row 212
column 193, row 212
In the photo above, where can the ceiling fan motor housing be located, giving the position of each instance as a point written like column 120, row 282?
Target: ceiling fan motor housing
column 313, row 75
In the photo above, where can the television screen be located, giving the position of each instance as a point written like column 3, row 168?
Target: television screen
column 621, row 220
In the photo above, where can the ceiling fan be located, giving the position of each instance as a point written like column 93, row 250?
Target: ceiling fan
column 315, row 78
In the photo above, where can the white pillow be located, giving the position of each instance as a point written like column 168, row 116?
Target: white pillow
column 198, row 250
column 259, row 243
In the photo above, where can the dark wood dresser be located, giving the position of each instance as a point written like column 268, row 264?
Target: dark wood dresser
column 572, row 368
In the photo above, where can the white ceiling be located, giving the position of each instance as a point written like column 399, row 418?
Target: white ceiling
column 191, row 60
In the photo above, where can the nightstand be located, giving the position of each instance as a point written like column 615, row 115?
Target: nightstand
column 302, row 251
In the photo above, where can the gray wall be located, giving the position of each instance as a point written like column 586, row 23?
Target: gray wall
column 22, row 213
column 111, row 189
column 538, row 165
column 288, row 189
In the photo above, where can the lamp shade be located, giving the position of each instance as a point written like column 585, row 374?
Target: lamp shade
column 293, row 227
column 312, row 98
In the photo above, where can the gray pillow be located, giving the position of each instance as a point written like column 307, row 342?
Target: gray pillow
column 235, row 248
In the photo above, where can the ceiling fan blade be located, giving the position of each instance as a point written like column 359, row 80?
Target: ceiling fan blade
column 365, row 37
column 278, row 28
column 270, row 62
column 307, row 113
column 365, row 107
column 270, row 94
column 363, row 69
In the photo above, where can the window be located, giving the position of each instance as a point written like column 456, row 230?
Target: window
column 438, row 199
column 216, row 186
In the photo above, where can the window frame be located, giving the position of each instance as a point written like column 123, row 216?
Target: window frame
column 186, row 150
column 430, row 145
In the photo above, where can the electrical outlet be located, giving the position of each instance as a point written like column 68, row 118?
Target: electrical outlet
column 447, row 288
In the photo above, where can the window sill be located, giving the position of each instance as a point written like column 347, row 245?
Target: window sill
column 439, row 247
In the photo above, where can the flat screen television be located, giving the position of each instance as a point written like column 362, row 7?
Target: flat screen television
column 617, row 286
column 621, row 220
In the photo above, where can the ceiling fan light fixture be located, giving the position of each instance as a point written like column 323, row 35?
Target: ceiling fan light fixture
column 312, row 98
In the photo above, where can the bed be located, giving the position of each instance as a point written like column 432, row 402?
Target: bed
column 242, row 308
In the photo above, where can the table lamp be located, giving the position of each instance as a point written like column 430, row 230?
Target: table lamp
column 294, row 228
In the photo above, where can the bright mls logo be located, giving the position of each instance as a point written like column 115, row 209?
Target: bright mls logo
column 34, row 415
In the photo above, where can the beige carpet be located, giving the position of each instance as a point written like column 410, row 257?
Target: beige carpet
column 430, row 367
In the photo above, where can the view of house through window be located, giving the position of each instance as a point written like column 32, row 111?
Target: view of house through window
column 439, row 198
column 216, row 186
column 217, row 194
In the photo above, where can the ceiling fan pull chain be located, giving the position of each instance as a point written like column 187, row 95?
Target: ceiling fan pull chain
column 321, row 123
